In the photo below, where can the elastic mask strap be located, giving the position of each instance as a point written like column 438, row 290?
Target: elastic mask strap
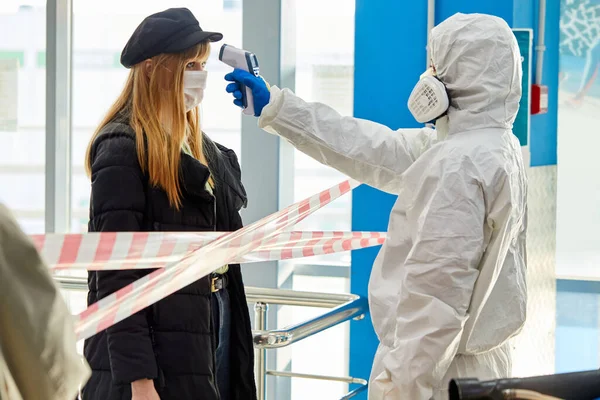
column 445, row 90
column 431, row 72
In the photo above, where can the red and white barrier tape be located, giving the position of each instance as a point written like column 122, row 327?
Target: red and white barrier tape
column 163, row 282
column 149, row 250
column 290, row 245
column 120, row 250
column 182, row 258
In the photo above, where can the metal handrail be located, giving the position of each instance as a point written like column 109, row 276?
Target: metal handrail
column 345, row 379
column 348, row 307
column 295, row 298
column 71, row 282
column 253, row 294
column 344, row 308
column 353, row 307
column 284, row 337
column 355, row 392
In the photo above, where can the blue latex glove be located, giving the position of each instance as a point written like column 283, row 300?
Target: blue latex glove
column 258, row 86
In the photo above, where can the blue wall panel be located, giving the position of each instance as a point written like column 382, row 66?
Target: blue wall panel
column 390, row 54
column 522, row 122
column 543, row 136
column 544, row 127
column 447, row 8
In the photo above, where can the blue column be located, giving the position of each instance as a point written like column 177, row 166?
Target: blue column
column 543, row 136
column 390, row 55
column 502, row 9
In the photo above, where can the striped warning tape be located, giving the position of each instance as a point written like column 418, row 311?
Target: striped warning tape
column 148, row 250
column 163, row 282
column 182, row 258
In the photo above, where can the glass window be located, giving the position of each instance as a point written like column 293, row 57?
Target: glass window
column 578, row 214
column 578, row 188
column 22, row 111
column 324, row 73
column 323, row 354
column 231, row 4
column 100, row 30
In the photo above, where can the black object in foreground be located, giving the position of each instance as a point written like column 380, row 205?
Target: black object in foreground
column 573, row 386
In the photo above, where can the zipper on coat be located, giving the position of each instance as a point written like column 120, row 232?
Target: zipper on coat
column 161, row 375
column 215, row 212
column 211, row 300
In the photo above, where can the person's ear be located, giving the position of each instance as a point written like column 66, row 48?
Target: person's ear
column 148, row 67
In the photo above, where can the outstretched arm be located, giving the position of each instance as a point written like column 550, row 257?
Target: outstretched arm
column 364, row 150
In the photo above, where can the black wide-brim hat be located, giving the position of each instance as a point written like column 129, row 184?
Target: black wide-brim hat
column 170, row 31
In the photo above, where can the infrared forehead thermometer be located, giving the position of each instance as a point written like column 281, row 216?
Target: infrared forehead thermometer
column 241, row 59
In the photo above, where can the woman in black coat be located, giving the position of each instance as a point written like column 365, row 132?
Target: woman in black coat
column 152, row 169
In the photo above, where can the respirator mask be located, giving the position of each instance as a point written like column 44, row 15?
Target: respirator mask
column 428, row 100
column 194, row 83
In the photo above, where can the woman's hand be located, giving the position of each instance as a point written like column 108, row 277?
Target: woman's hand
column 144, row 389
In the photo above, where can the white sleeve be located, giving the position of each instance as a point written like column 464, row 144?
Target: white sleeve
column 438, row 277
column 364, row 150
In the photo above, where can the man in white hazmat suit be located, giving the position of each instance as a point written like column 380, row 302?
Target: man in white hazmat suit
column 447, row 290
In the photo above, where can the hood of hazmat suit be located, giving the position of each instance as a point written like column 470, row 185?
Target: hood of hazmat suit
column 38, row 355
column 448, row 289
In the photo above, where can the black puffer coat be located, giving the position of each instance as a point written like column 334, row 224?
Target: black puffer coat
column 171, row 341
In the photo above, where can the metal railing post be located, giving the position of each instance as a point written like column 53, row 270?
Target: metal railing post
column 260, row 354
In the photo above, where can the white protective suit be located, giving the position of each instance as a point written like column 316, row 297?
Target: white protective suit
column 447, row 290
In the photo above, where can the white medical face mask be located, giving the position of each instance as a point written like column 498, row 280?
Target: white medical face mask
column 428, row 100
column 194, row 83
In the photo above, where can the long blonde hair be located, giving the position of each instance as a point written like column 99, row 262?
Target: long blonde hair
column 152, row 100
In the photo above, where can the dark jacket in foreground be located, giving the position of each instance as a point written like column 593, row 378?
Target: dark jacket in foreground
column 171, row 341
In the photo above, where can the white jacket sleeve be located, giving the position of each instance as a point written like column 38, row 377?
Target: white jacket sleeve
column 447, row 231
column 364, row 150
